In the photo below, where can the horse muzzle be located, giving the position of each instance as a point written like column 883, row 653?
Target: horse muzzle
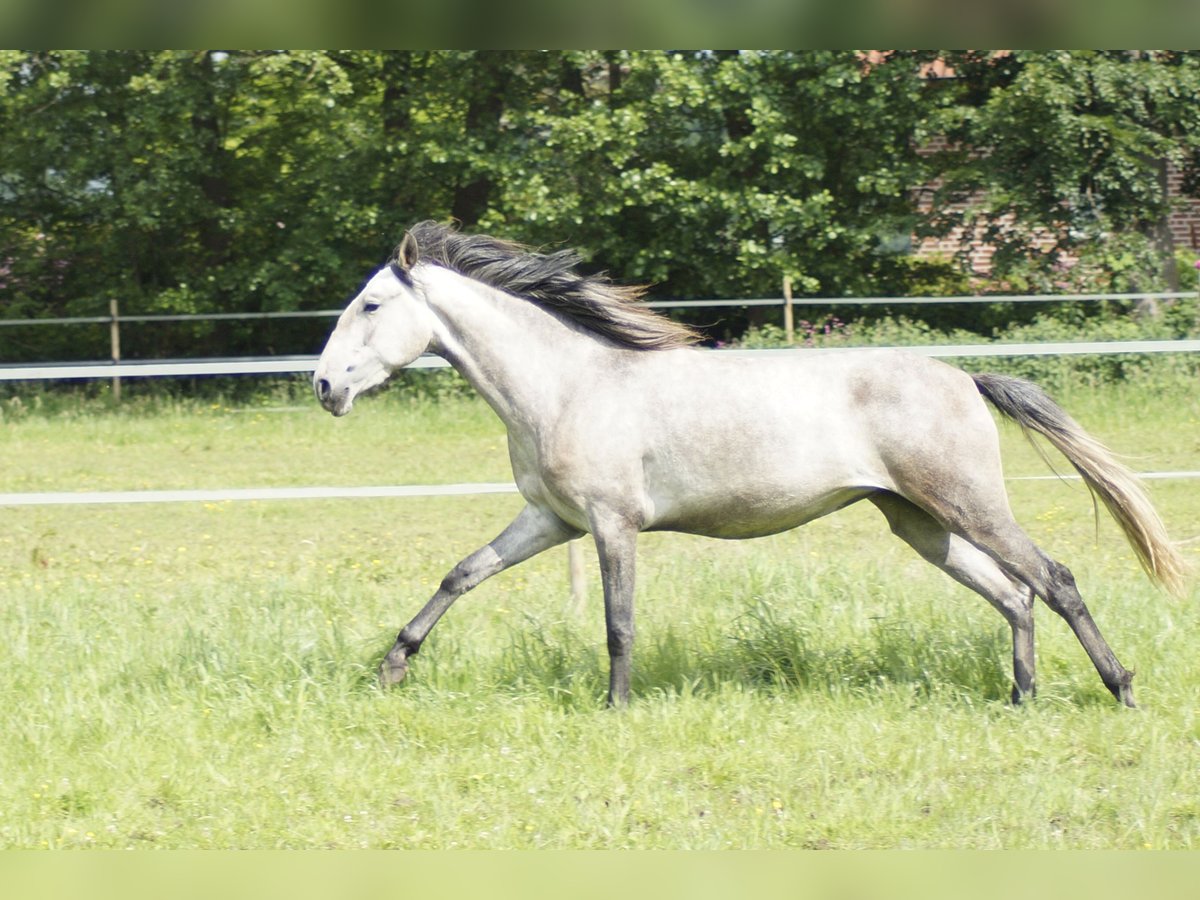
column 338, row 402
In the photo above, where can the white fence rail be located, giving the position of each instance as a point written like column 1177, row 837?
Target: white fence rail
column 284, row 365
column 355, row 492
column 224, row 495
column 116, row 370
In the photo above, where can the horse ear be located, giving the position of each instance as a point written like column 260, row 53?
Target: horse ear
column 408, row 252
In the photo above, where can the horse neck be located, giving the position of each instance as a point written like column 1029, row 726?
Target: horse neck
column 520, row 357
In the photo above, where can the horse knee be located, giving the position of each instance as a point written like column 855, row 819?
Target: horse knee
column 620, row 641
column 1016, row 605
column 457, row 580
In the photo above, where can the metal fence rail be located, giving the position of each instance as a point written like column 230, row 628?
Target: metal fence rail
column 173, row 317
column 117, row 369
column 652, row 304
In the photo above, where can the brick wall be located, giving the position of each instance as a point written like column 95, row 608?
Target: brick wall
column 1184, row 222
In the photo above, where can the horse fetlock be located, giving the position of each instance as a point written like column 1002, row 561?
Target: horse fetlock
column 1022, row 695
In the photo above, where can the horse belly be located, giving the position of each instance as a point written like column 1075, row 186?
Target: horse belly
column 744, row 469
column 753, row 493
column 736, row 515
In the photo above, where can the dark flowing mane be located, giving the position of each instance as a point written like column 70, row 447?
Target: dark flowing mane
column 550, row 280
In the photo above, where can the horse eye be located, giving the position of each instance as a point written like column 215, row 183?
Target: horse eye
column 370, row 306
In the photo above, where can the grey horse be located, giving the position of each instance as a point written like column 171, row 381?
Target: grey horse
column 618, row 424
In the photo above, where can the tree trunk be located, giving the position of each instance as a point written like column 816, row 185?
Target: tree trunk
column 492, row 75
column 1164, row 238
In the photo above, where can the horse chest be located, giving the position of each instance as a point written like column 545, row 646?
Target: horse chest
column 544, row 478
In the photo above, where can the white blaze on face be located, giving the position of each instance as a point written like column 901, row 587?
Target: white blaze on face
column 384, row 328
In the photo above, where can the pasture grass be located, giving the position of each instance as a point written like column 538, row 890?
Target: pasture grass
column 202, row 675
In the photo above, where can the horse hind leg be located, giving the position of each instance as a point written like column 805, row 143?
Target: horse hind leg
column 974, row 569
column 1002, row 539
column 1063, row 597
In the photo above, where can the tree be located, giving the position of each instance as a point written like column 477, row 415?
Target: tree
column 205, row 181
column 715, row 174
column 176, row 181
column 1061, row 159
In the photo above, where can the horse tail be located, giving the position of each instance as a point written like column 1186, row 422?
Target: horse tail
column 1116, row 486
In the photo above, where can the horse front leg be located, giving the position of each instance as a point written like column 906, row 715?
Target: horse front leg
column 616, row 546
column 532, row 531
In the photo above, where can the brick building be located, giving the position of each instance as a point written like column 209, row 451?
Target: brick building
column 1183, row 222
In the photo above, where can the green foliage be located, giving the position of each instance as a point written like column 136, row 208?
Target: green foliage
column 1057, row 372
column 1061, row 323
column 177, row 182
column 204, row 181
column 730, row 169
column 1060, row 159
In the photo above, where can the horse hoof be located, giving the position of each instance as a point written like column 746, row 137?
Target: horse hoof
column 1125, row 695
column 1123, row 691
column 392, row 671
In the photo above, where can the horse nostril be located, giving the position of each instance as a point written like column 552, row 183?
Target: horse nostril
column 323, row 388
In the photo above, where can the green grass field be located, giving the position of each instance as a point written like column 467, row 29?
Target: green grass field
column 201, row 675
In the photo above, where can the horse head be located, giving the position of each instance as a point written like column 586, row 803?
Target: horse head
column 383, row 329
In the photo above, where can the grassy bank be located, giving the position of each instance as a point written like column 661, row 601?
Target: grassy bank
column 201, row 675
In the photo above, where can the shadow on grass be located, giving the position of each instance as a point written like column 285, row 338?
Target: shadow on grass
column 767, row 650
column 764, row 652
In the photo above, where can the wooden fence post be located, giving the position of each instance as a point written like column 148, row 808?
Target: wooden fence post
column 114, row 336
column 575, row 570
column 789, row 325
